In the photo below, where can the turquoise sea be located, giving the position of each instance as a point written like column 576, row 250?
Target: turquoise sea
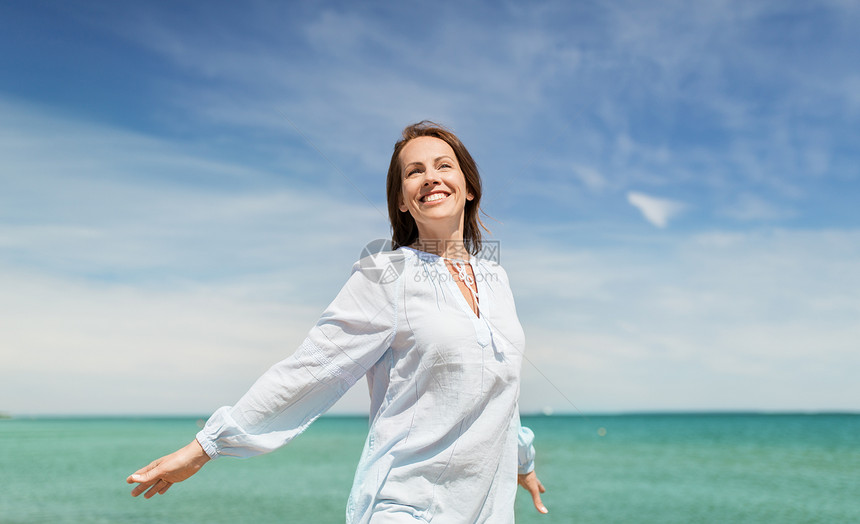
column 727, row 468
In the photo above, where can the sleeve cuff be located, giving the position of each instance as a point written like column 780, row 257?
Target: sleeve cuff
column 211, row 430
column 207, row 445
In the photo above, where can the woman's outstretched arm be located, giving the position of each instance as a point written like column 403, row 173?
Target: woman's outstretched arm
column 350, row 337
column 162, row 473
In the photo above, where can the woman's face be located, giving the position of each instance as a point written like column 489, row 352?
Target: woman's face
column 434, row 189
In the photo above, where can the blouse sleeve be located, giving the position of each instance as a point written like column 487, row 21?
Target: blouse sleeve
column 526, row 455
column 352, row 334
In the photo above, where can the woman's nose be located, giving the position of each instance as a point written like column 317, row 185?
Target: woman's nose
column 431, row 177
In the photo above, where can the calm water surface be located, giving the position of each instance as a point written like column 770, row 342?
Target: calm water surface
column 598, row 469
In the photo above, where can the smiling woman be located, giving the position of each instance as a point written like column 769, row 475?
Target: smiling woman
column 442, row 362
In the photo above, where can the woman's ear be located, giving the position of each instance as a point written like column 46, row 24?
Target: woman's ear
column 402, row 206
column 470, row 196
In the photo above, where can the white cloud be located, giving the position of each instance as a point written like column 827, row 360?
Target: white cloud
column 347, row 77
column 92, row 199
column 636, row 98
column 657, row 211
column 756, row 320
column 139, row 279
column 71, row 346
column 752, row 207
column 590, row 177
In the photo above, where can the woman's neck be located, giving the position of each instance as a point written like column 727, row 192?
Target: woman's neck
column 451, row 247
column 443, row 238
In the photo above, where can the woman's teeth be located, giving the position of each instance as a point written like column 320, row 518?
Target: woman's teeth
column 434, row 197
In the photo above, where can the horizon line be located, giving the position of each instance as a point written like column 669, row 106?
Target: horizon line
column 532, row 414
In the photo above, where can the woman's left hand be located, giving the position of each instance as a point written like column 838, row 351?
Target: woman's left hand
column 531, row 483
column 160, row 474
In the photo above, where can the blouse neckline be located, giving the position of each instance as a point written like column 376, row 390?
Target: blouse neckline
column 483, row 306
column 432, row 256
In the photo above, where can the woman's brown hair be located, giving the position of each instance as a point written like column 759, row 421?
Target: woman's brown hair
column 404, row 231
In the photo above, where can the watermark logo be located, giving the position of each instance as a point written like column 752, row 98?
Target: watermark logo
column 380, row 263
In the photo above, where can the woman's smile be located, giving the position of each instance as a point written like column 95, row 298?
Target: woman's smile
column 435, row 197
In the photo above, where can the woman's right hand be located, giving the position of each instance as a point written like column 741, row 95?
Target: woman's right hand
column 531, row 483
column 162, row 473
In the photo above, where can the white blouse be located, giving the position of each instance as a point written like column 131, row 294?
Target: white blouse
column 445, row 443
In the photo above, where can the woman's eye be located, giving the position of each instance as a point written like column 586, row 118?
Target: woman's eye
column 445, row 166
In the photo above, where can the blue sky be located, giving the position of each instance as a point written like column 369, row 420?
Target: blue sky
column 185, row 185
